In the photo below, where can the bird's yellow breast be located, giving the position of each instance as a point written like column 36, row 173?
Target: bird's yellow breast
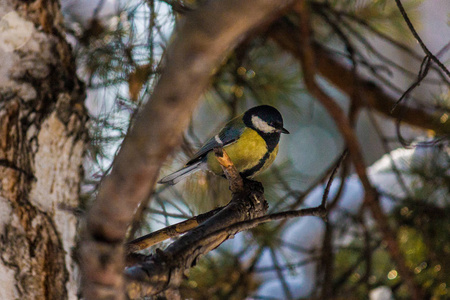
column 245, row 153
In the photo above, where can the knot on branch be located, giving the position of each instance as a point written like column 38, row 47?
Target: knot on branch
column 253, row 198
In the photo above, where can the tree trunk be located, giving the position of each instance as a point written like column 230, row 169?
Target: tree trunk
column 42, row 142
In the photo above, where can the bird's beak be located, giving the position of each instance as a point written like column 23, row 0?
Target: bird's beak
column 285, row 131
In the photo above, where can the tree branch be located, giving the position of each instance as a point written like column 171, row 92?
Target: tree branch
column 419, row 40
column 159, row 270
column 165, row 269
column 233, row 176
column 201, row 43
column 330, row 180
column 285, row 34
column 246, row 210
column 307, row 59
column 236, row 186
column 172, row 231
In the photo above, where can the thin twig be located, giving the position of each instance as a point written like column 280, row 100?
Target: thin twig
column 288, row 266
column 330, row 181
column 338, row 115
column 280, row 275
column 369, row 27
column 285, row 33
column 419, row 40
column 423, row 72
column 307, row 58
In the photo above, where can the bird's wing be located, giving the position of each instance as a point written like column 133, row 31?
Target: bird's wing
column 228, row 135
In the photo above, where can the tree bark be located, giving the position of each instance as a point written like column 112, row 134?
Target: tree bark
column 42, row 142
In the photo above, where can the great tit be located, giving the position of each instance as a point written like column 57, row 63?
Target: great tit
column 250, row 140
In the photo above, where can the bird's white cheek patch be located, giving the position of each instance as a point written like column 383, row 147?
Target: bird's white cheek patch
column 262, row 125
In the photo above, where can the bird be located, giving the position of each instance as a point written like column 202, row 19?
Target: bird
column 250, row 140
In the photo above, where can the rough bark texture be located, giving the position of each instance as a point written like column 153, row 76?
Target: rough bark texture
column 42, row 141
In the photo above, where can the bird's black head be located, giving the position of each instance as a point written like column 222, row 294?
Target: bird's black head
column 264, row 119
column 267, row 121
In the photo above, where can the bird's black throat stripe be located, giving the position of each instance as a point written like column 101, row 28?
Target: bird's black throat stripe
column 271, row 139
column 257, row 167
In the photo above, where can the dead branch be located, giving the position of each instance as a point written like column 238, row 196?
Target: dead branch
column 201, row 43
column 165, row 269
column 172, row 231
column 159, row 270
column 236, row 186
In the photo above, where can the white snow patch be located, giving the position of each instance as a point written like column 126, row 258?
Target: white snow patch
column 381, row 293
column 307, row 232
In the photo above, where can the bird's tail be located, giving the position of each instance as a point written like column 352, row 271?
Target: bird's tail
column 174, row 178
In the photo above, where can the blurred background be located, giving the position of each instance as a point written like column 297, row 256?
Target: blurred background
column 120, row 48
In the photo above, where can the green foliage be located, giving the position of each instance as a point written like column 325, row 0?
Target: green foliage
column 422, row 231
column 261, row 75
column 425, row 243
column 218, row 278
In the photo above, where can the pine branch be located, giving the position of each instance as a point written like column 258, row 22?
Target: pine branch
column 285, row 34
column 199, row 46
column 308, row 59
